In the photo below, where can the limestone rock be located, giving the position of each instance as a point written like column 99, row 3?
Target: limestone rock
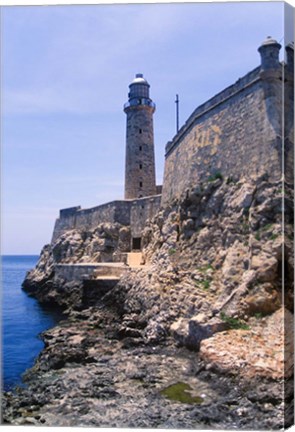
column 243, row 197
column 233, row 265
column 263, row 299
column 254, row 352
column 190, row 332
column 265, row 266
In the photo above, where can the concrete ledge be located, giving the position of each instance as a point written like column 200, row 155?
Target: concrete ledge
column 84, row 271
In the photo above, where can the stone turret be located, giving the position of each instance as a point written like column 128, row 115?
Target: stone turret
column 269, row 51
column 290, row 57
column 140, row 178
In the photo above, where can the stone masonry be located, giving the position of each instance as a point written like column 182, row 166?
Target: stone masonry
column 133, row 213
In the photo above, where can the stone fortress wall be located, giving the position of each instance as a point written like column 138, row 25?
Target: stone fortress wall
column 143, row 209
column 238, row 133
column 126, row 212
column 87, row 219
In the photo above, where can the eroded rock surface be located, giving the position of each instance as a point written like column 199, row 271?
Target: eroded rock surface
column 87, row 375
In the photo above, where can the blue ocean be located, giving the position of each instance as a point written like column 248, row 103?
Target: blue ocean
column 23, row 319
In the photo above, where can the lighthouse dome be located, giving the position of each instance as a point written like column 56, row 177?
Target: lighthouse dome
column 139, row 79
column 139, row 88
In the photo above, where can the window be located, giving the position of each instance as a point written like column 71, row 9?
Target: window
column 140, row 148
column 140, row 131
column 140, row 184
column 140, row 166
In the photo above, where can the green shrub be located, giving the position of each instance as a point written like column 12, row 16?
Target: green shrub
column 171, row 251
column 267, row 227
column 274, row 236
column 203, row 284
column 215, row 176
column 218, row 175
column 205, row 268
column 234, row 323
column 246, row 211
column 245, row 227
column 230, row 180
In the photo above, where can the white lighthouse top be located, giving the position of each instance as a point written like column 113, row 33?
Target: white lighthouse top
column 139, row 94
column 269, row 41
column 139, row 79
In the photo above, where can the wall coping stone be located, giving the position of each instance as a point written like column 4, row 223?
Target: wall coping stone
column 64, row 213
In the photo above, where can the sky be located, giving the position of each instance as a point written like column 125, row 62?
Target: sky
column 65, row 76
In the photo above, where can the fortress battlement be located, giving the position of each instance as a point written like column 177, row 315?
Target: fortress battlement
column 132, row 212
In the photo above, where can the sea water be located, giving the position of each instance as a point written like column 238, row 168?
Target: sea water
column 23, row 318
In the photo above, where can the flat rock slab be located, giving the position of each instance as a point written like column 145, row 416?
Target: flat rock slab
column 257, row 352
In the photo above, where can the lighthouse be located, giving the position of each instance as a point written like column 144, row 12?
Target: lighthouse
column 140, row 178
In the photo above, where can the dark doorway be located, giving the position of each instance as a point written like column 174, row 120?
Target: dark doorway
column 136, row 243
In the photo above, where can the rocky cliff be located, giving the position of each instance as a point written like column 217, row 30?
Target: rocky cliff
column 196, row 337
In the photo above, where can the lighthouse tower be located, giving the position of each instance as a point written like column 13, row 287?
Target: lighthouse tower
column 140, row 179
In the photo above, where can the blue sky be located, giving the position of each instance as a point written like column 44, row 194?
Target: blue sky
column 65, row 77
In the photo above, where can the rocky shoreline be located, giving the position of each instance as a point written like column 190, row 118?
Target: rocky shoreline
column 194, row 338
column 87, row 375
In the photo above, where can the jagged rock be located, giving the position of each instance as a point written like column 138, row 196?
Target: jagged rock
column 191, row 332
column 243, row 197
column 124, row 239
column 264, row 299
column 44, row 270
column 180, row 330
column 266, row 267
column 253, row 352
column 233, row 265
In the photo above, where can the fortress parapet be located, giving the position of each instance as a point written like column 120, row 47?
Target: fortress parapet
column 69, row 211
column 133, row 213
